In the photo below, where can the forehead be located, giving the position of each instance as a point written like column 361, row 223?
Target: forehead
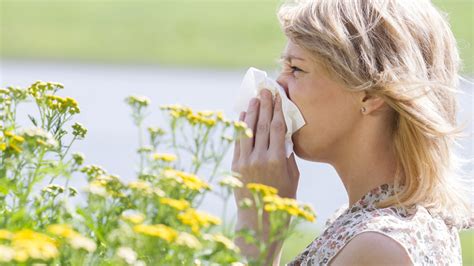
column 294, row 51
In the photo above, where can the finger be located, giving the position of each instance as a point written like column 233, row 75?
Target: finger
column 277, row 129
column 237, row 142
column 262, row 134
column 251, row 117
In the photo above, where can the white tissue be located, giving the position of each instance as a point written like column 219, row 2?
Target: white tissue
column 254, row 81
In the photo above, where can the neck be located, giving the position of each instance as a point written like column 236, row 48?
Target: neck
column 365, row 162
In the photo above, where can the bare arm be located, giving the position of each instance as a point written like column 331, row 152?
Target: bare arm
column 262, row 159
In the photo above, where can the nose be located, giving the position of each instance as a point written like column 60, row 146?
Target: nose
column 282, row 80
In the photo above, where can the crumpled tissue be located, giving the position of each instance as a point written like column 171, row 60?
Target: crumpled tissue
column 253, row 82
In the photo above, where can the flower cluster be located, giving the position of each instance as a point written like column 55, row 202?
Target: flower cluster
column 197, row 219
column 11, row 141
column 79, row 130
column 40, row 88
column 157, row 230
column 190, row 181
column 41, row 225
column 206, row 118
column 165, row 157
column 263, row 189
column 276, row 203
column 39, row 137
column 73, row 238
column 26, row 244
column 62, row 105
column 138, row 101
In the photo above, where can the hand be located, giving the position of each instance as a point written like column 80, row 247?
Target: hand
column 262, row 158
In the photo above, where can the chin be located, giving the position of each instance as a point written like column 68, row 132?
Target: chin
column 304, row 150
column 298, row 147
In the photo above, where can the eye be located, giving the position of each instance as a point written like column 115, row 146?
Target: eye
column 295, row 69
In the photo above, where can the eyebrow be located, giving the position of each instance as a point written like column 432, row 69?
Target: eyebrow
column 289, row 57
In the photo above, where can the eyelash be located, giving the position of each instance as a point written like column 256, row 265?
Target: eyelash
column 294, row 69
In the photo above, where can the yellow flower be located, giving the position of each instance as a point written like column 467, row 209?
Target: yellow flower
column 5, row 234
column 177, row 110
column 146, row 187
column 76, row 240
column 288, row 205
column 62, row 230
column 158, row 230
column 156, row 131
column 133, row 217
column 138, row 101
column 263, row 189
column 18, row 139
column 79, row 130
column 140, row 185
column 248, row 133
column 29, row 244
column 188, row 240
column 197, row 219
column 62, row 105
column 206, row 113
column 3, row 146
column 176, row 204
column 16, row 148
column 190, row 181
column 165, row 157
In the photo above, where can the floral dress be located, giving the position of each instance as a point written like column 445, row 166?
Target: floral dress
column 427, row 238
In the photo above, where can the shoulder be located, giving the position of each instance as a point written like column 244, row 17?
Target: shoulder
column 372, row 248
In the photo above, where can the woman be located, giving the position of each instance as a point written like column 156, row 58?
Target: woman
column 375, row 82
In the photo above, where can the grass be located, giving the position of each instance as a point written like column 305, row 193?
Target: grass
column 224, row 34
column 295, row 244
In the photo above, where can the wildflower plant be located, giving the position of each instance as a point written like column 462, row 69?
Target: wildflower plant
column 153, row 219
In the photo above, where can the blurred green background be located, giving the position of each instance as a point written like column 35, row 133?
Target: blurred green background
column 219, row 33
column 203, row 34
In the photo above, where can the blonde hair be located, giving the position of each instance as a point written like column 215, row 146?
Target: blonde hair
column 404, row 52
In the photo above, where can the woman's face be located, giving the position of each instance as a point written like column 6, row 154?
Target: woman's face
column 330, row 112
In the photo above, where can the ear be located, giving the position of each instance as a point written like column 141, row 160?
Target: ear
column 372, row 103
